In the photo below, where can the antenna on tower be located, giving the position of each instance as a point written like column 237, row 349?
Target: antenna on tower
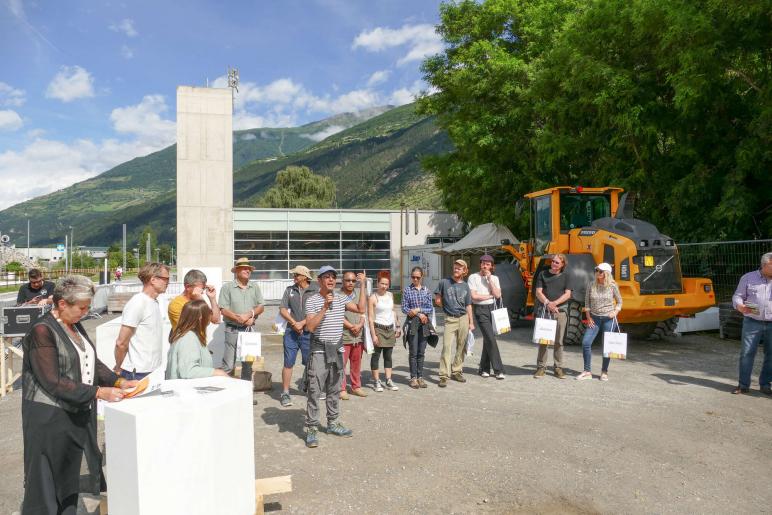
column 233, row 83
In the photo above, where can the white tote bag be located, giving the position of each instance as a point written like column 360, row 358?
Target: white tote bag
column 248, row 344
column 545, row 329
column 368, row 338
column 615, row 343
column 469, row 343
column 500, row 317
column 280, row 324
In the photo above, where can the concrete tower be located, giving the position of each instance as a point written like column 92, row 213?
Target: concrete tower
column 204, row 178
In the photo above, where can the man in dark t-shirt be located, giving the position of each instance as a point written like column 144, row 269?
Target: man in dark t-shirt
column 552, row 292
column 36, row 291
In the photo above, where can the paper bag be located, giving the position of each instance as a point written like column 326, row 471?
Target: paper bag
column 248, row 344
column 469, row 343
column 368, row 338
column 500, row 317
column 545, row 329
column 615, row 343
column 280, row 324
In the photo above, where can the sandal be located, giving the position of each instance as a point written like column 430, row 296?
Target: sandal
column 583, row 376
column 604, row 376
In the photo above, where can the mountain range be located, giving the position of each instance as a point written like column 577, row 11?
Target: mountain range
column 373, row 156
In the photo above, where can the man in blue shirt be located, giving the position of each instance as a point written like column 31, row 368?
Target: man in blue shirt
column 455, row 298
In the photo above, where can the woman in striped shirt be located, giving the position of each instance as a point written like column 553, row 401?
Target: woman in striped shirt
column 602, row 303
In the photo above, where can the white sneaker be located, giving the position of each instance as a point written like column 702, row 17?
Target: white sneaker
column 584, row 376
column 500, row 375
column 391, row 386
column 484, row 374
column 378, row 386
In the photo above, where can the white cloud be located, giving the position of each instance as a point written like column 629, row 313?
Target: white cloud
column 72, row 82
column 329, row 131
column 401, row 96
column 145, row 122
column 35, row 133
column 421, row 39
column 127, row 52
column 10, row 96
column 125, row 26
column 248, row 137
column 10, row 121
column 378, row 77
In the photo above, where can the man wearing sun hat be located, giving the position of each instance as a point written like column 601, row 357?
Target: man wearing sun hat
column 241, row 302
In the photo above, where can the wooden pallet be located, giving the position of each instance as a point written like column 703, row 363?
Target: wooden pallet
column 116, row 301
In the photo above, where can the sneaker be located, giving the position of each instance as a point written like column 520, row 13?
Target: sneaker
column 338, row 429
column 458, row 376
column 584, row 376
column 323, row 396
column 500, row 375
column 343, row 395
column 286, row 400
column 443, row 382
column 539, row 373
column 359, row 392
column 391, row 386
column 312, row 440
column 559, row 373
column 422, row 383
column 604, row 376
column 414, row 383
column 484, row 374
column 378, row 386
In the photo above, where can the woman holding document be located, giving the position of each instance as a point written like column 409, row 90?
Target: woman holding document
column 61, row 381
column 189, row 358
column 602, row 303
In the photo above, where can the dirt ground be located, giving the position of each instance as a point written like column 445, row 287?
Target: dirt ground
column 664, row 435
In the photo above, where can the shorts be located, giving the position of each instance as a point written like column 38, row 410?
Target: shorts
column 294, row 342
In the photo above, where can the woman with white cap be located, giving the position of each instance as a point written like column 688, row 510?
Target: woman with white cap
column 602, row 303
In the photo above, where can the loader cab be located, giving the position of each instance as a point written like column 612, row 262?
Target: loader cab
column 556, row 211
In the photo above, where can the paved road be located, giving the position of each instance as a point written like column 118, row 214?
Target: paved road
column 663, row 435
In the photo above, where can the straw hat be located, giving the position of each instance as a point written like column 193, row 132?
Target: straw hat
column 242, row 262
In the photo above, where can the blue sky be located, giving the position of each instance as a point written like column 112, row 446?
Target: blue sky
column 86, row 85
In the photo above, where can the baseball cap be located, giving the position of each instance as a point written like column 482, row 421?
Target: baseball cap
column 325, row 269
column 486, row 257
column 604, row 266
column 461, row 262
column 301, row 270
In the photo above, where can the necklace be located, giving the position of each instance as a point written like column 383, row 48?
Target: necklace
column 74, row 335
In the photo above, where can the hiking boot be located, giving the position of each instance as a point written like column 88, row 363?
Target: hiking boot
column 391, row 386
column 312, row 440
column 286, row 400
column 359, row 392
column 458, row 376
column 378, row 386
column 443, row 382
column 343, row 395
column 539, row 373
column 414, row 383
column 559, row 373
column 422, row 383
column 338, row 429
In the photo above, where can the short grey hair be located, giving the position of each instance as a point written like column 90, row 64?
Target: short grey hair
column 194, row 276
column 73, row 288
column 766, row 258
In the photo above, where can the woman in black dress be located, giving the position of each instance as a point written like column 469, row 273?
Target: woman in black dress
column 61, row 380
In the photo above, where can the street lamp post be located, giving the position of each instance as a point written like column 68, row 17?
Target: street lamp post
column 157, row 255
column 27, row 238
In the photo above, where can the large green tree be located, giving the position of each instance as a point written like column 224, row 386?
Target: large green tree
column 667, row 98
column 298, row 187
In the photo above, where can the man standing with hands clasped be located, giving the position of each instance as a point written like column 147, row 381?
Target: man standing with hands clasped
column 241, row 302
column 324, row 318
column 453, row 295
column 296, row 335
column 485, row 290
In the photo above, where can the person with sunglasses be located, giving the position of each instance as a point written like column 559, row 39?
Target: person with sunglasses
column 602, row 304
column 417, row 306
column 37, row 291
column 353, row 340
column 296, row 336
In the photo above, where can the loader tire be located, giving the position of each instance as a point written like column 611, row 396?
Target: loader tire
column 664, row 329
column 574, row 325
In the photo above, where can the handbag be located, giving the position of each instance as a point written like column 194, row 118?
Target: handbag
column 248, row 344
column 368, row 338
column 469, row 343
column 615, row 343
column 545, row 329
column 500, row 317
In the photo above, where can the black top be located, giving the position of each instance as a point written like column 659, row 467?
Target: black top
column 27, row 293
column 552, row 285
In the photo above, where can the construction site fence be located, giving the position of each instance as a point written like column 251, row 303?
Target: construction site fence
column 723, row 262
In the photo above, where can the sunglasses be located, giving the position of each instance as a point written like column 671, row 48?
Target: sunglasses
column 598, row 271
column 349, row 280
column 415, row 277
column 163, row 278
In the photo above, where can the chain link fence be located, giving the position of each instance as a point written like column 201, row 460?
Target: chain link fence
column 723, row 262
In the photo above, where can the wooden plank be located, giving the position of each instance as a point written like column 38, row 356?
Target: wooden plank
column 273, row 485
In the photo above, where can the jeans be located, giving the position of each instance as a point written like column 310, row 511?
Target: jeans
column 131, row 376
column 490, row 356
column 755, row 333
column 417, row 345
column 601, row 323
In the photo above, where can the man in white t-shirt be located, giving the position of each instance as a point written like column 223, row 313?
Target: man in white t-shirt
column 139, row 347
column 485, row 289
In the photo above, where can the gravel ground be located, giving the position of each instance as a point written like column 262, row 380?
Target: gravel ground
column 664, row 435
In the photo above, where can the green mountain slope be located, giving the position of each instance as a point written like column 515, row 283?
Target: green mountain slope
column 375, row 163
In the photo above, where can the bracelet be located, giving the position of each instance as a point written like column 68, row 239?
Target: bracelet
column 97, row 392
column 119, row 382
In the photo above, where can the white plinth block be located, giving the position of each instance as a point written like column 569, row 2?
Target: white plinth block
column 187, row 453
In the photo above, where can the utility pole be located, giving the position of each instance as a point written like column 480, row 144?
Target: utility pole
column 27, row 238
column 66, row 261
column 148, row 255
column 124, row 248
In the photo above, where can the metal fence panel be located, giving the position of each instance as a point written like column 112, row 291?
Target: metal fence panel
column 723, row 262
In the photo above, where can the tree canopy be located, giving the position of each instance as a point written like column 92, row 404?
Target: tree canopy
column 669, row 99
column 298, row 187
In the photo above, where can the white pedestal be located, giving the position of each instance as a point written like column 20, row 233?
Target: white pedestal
column 187, row 453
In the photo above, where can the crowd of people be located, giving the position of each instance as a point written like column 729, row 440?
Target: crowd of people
column 62, row 376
